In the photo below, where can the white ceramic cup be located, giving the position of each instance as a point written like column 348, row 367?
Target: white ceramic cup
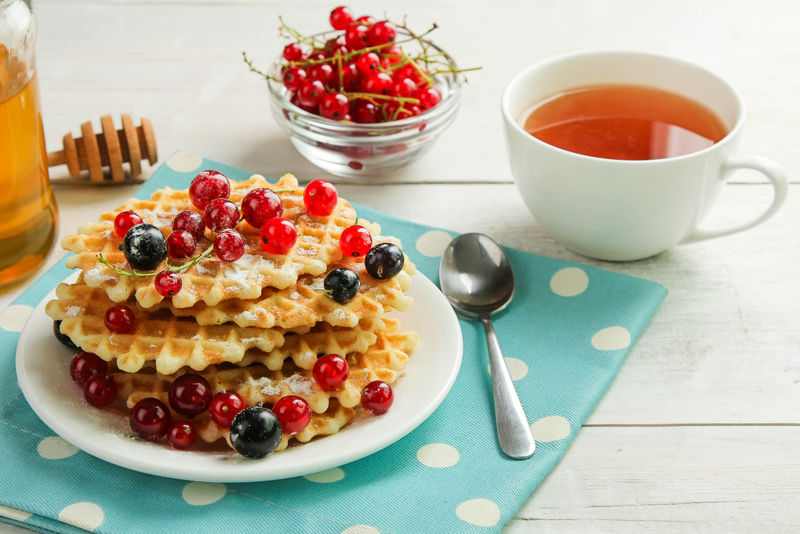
column 620, row 209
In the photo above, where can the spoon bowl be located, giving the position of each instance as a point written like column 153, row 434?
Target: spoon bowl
column 477, row 279
column 476, row 275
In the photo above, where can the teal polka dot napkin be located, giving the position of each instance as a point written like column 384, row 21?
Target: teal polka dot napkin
column 564, row 336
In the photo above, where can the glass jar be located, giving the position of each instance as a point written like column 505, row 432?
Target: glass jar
column 28, row 212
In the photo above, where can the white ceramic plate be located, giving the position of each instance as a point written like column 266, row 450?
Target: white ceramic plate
column 43, row 374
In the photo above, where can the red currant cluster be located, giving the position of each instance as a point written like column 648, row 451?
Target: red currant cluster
column 145, row 246
column 190, row 395
column 362, row 74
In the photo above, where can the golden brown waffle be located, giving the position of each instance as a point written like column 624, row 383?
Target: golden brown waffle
column 255, row 383
column 171, row 343
column 212, row 281
column 306, row 303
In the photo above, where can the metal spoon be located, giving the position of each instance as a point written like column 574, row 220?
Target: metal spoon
column 476, row 277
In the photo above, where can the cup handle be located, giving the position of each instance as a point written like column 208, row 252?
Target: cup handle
column 776, row 176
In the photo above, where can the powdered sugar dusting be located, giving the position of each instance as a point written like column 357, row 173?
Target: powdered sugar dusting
column 73, row 311
column 299, row 384
column 203, row 270
column 265, row 385
column 295, row 295
column 248, row 315
column 307, row 252
column 158, row 217
column 97, row 275
column 318, row 284
column 340, row 314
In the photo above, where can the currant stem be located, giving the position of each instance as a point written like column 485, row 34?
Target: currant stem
column 365, row 50
column 376, row 96
column 207, row 252
column 104, row 261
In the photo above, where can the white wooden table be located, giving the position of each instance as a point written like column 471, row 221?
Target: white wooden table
column 700, row 432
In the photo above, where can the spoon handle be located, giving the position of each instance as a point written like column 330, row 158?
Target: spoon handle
column 513, row 431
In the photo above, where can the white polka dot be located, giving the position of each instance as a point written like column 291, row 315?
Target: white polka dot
column 203, row 493
column 611, row 338
column 438, row 455
column 85, row 515
column 516, row 368
column 13, row 513
column 55, row 448
column 184, row 162
column 550, row 428
column 361, row 529
column 569, row 282
column 324, row 477
column 13, row 318
column 480, row 512
column 433, row 243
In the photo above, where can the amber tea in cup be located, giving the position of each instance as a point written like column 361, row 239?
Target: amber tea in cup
column 624, row 121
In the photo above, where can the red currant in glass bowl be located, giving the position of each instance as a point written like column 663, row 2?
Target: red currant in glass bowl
column 342, row 131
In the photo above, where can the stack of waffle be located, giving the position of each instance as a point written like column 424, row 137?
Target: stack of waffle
column 255, row 326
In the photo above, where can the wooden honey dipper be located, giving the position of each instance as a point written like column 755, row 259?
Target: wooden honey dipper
column 92, row 152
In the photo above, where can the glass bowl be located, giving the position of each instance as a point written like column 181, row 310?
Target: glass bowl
column 353, row 150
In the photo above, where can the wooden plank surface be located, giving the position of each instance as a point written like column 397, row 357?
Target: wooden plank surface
column 699, row 432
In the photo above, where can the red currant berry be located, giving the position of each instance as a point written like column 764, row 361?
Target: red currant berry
column 150, row 419
column 393, row 54
column 190, row 394
column 366, row 20
column 168, row 283
column 320, row 197
column 355, row 241
column 356, row 36
column 86, row 365
column 351, row 78
column 406, row 88
column 377, row 397
column 336, row 47
column 293, row 413
column 278, row 235
column 322, row 73
column 224, row 407
column 341, row 17
column 409, row 70
column 229, row 245
column 330, row 371
column 378, row 83
column 395, row 111
column 293, row 77
column 221, row 214
column 381, row 33
column 309, row 109
column 364, row 111
column 100, row 390
column 293, row 52
column 260, row 205
column 334, row 106
column 207, row 186
column 317, row 54
column 310, row 93
column 189, row 221
column 181, row 244
column 181, row 435
column 124, row 221
column 428, row 97
column 120, row 319
column 367, row 63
